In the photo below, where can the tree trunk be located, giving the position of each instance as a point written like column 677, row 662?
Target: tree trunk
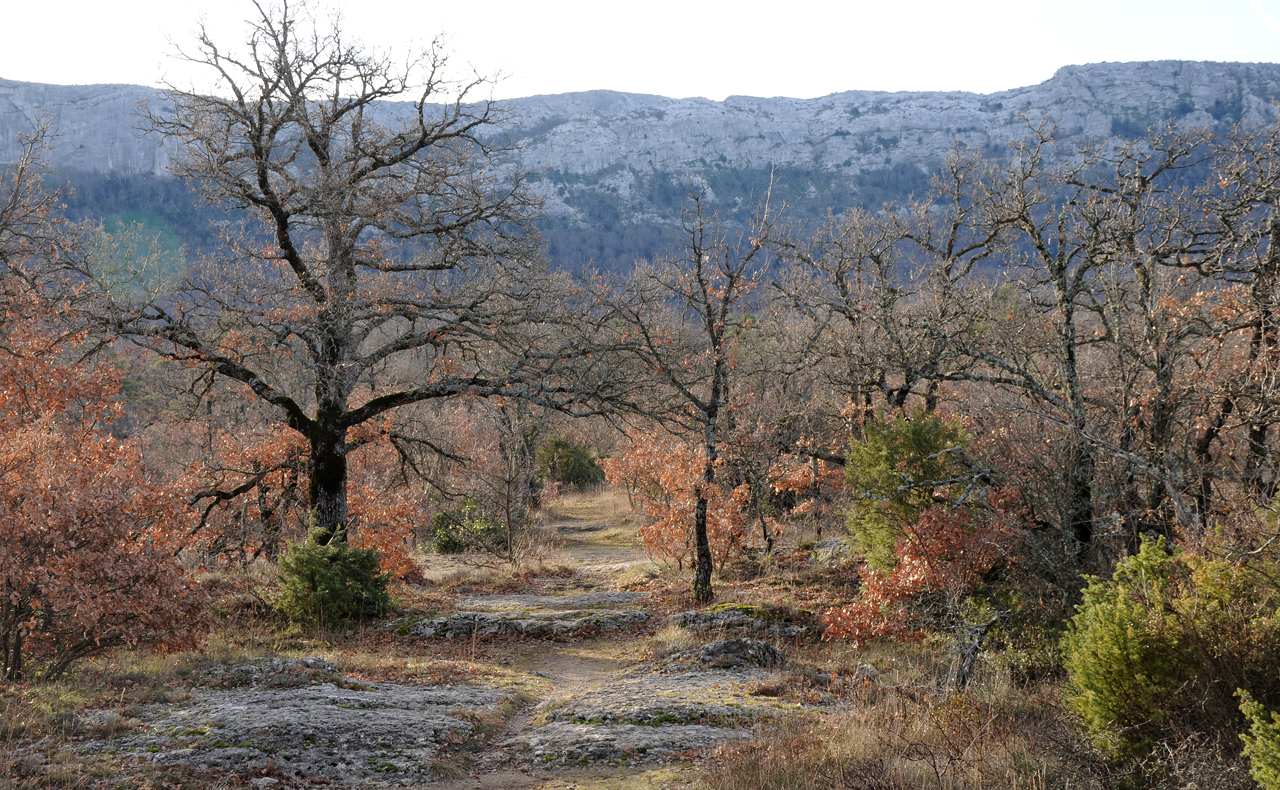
column 1080, row 499
column 327, row 470
column 702, row 592
column 13, row 650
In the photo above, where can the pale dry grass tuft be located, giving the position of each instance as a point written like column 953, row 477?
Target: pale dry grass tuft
column 671, row 639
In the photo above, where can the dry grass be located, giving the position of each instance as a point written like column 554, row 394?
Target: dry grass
column 600, row 504
column 885, row 740
column 669, row 640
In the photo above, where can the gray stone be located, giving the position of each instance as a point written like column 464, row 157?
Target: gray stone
column 717, row 698
column 590, row 600
column 384, row 733
column 528, row 623
column 739, row 621
column 741, row 653
column 622, row 138
column 276, row 673
column 566, row 742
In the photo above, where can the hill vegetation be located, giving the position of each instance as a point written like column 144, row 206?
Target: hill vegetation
column 960, row 476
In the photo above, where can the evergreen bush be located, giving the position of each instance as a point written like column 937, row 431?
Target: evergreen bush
column 1261, row 742
column 891, row 476
column 566, row 463
column 1159, row 650
column 331, row 584
column 468, row 530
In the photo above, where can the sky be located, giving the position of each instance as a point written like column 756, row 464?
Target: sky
column 676, row 48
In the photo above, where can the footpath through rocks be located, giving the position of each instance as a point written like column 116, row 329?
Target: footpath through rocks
column 579, row 687
column 583, row 614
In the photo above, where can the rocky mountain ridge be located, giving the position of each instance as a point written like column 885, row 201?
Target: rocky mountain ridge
column 618, row 164
column 584, row 133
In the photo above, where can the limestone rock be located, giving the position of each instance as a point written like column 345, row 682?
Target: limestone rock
column 276, row 673
column 588, row 600
column 383, row 733
column 739, row 620
column 712, row 697
column 566, row 742
column 529, row 623
column 624, row 136
column 741, row 653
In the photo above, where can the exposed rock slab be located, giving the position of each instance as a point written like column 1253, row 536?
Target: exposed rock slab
column 688, row 702
column 382, row 734
column 276, row 673
column 714, row 698
column 739, row 620
column 741, row 653
column 541, row 624
column 566, row 742
column 590, row 600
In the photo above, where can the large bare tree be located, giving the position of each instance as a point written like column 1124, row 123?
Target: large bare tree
column 387, row 257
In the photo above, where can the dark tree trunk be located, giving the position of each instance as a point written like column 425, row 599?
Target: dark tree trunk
column 702, row 592
column 11, row 660
column 327, row 470
column 1080, row 499
column 1203, row 449
column 702, row 567
column 1255, row 465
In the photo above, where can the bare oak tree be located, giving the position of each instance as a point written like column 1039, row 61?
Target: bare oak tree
column 681, row 316
column 388, row 258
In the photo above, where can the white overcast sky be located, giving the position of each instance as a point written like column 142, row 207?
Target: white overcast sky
column 676, row 48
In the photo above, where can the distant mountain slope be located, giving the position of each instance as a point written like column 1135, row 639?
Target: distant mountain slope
column 614, row 165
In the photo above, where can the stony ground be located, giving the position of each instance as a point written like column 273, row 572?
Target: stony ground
column 384, row 733
column 578, row 691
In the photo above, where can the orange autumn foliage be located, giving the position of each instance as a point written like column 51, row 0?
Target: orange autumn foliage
column 944, row 552
column 661, row 475
column 247, row 486
column 815, row 484
column 87, row 538
column 385, row 509
column 250, row 490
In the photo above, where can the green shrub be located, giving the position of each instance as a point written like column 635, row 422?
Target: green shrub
column 331, row 584
column 1261, row 742
column 568, row 464
column 1159, row 650
column 467, row 530
column 890, row 475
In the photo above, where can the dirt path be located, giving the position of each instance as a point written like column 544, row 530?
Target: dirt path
column 583, row 706
column 571, row 673
column 599, row 548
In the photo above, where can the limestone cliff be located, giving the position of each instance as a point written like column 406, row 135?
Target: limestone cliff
column 584, row 133
column 618, row 163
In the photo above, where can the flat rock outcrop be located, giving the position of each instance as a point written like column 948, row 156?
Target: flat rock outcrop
column 535, row 624
column 566, row 742
column 382, row 733
column 715, row 698
column 680, row 704
column 541, row 616
column 588, row 600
